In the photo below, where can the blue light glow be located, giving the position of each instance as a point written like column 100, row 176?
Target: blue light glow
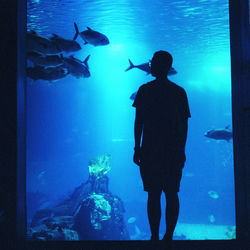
column 78, row 119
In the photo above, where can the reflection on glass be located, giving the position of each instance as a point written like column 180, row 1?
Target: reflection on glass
column 81, row 181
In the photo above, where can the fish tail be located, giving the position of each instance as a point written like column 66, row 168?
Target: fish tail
column 77, row 31
column 131, row 65
column 86, row 61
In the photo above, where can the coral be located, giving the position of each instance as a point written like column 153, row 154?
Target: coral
column 99, row 166
column 231, row 233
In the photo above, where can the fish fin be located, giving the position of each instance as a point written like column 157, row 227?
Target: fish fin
column 227, row 127
column 131, row 65
column 89, row 28
column 86, row 61
column 33, row 32
column 77, row 31
column 85, row 42
column 54, row 35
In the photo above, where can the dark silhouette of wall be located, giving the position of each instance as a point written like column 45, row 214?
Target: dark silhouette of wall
column 12, row 126
column 240, row 68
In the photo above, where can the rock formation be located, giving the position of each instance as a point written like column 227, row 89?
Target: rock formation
column 90, row 213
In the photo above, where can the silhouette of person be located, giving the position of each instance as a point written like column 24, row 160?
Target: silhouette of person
column 160, row 131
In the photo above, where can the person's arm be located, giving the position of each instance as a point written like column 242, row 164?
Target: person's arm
column 185, row 130
column 138, row 128
column 186, row 116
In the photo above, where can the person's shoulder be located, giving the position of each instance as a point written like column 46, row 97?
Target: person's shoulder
column 146, row 86
column 178, row 88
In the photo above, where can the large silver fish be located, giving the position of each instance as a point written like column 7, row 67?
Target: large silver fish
column 65, row 44
column 76, row 67
column 43, row 60
column 91, row 36
column 220, row 134
column 146, row 67
column 40, row 44
column 49, row 74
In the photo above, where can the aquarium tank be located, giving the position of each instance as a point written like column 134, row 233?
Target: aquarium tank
column 85, row 61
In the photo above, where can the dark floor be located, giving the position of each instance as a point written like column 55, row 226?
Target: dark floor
column 139, row 245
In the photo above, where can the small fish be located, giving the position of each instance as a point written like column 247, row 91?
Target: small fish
column 211, row 218
column 65, row 44
column 91, row 36
column 131, row 220
column 220, row 134
column 213, row 194
column 146, row 67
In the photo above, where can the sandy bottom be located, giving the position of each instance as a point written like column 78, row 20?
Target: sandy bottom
column 204, row 231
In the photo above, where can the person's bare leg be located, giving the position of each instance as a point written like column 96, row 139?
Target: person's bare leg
column 154, row 213
column 172, row 213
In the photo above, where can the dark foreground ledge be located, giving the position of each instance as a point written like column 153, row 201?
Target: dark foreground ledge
column 116, row 245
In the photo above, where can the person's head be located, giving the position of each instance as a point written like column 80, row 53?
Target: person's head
column 161, row 63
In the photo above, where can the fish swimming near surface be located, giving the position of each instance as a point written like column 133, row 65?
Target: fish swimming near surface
column 65, row 44
column 91, row 36
column 40, row 44
column 44, row 60
column 146, row 67
column 49, row 74
column 76, row 67
column 220, row 134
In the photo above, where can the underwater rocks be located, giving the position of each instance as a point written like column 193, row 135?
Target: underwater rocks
column 100, row 217
column 90, row 213
column 56, row 228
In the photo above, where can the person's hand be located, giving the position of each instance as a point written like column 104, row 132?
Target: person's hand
column 137, row 156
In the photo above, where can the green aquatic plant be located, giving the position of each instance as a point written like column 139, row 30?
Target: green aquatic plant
column 99, row 166
column 231, row 233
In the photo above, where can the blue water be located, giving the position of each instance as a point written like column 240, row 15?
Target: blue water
column 71, row 121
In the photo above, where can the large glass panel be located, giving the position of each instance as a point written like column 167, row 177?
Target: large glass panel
column 81, row 181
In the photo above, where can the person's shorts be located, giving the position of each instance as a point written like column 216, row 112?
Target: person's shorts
column 167, row 178
column 161, row 168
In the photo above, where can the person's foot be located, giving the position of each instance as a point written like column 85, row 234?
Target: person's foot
column 154, row 243
column 167, row 241
column 167, row 237
column 154, row 238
